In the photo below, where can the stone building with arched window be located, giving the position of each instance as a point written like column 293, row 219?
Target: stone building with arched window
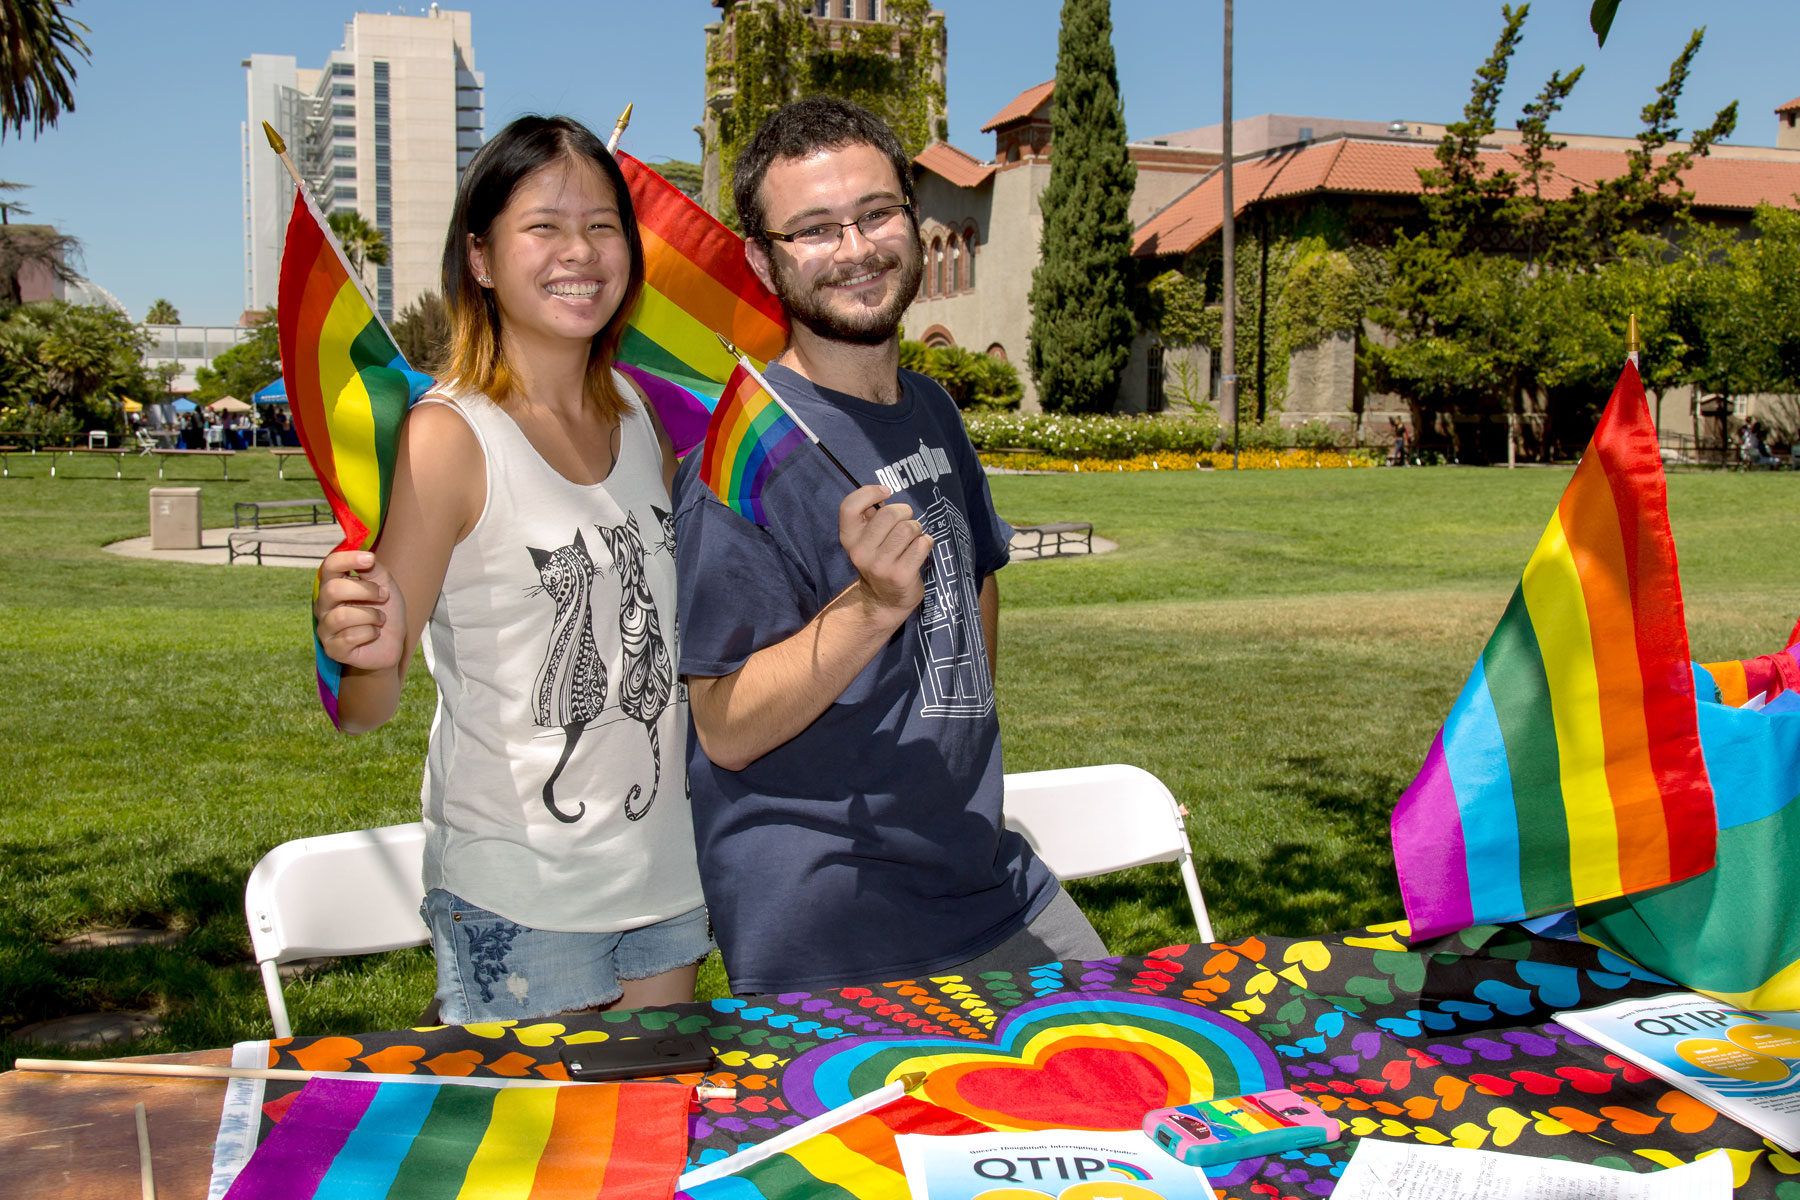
column 981, row 224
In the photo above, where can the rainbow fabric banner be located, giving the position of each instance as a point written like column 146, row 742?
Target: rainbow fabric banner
column 1765, row 677
column 696, row 285
column 750, row 434
column 1569, row 770
column 351, row 1139
column 856, row 1159
column 1733, row 932
column 348, row 388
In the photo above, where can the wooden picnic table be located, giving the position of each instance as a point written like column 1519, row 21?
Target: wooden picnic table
column 4, row 451
column 124, row 452
column 224, row 457
column 282, row 454
column 75, row 1136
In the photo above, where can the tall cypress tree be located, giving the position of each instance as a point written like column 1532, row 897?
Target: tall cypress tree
column 1081, row 313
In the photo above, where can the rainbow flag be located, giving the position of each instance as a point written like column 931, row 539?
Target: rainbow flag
column 696, row 284
column 348, row 387
column 1569, row 770
column 855, row 1159
column 351, row 1139
column 750, row 434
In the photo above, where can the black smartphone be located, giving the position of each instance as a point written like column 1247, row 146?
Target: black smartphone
column 636, row 1058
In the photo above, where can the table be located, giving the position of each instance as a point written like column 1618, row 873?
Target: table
column 1452, row 1041
column 74, row 1137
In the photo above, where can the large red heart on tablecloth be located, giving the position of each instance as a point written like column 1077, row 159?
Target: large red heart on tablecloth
column 1087, row 1087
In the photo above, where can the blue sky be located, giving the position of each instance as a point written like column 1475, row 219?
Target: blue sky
column 145, row 171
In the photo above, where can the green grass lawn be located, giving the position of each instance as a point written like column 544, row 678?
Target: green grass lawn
column 1277, row 646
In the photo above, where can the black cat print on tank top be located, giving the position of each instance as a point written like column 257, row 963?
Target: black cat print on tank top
column 646, row 675
column 571, row 684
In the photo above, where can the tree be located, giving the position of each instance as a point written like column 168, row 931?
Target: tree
column 12, row 208
column 24, row 248
column 162, row 313
column 1460, row 191
column 1081, row 311
column 422, row 331
column 362, row 242
column 37, row 79
column 1649, row 193
column 686, row 176
column 246, row 367
column 66, row 366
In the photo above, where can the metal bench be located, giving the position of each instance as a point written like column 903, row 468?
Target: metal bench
column 317, row 511
column 1048, row 541
column 292, row 541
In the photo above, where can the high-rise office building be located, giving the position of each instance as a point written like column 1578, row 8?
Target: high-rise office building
column 384, row 128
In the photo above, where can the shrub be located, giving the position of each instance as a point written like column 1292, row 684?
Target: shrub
column 974, row 381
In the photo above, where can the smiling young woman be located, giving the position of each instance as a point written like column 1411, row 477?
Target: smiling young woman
column 528, row 549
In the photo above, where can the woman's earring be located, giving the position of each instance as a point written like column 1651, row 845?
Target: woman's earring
column 484, row 281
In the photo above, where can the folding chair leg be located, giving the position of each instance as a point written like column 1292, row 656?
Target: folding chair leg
column 1202, row 921
column 271, row 977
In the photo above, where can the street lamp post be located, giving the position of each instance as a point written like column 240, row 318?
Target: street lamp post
column 1228, row 389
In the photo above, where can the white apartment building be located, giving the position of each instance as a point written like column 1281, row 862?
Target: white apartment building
column 385, row 127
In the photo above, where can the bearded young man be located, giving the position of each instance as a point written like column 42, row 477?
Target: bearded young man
column 846, row 771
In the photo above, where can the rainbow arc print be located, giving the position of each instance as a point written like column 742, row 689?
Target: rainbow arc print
column 750, row 434
column 1569, row 770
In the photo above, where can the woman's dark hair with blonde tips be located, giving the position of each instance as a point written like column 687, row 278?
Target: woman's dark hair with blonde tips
column 475, row 357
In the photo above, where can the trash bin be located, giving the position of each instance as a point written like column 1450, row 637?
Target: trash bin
column 174, row 518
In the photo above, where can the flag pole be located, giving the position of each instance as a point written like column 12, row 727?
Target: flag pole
column 612, row 143
column 744, row 362
column 305, row 196
column 1631, row 339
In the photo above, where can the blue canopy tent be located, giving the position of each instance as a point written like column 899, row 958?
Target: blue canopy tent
column 271, row 393
column 184, row 406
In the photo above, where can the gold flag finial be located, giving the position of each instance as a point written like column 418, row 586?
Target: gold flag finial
column 612, row 143
column 1631, row 335
column 275, row 142
column 723, row 341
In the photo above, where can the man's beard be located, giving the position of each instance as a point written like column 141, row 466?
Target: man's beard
column 864, row 326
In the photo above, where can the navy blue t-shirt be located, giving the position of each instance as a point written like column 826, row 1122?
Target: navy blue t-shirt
column 871, row 845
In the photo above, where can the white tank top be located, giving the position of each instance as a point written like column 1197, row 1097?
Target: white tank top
column 555, row 789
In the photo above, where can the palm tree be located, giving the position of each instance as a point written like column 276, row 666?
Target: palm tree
column 362, row 242
column 12, row 208
column 162, row 313
column 36, row 75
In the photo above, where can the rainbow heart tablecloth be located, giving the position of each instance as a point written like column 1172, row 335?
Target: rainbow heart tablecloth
column 1448, row 1042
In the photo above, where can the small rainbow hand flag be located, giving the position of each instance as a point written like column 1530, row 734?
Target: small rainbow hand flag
column 854, row 1159
column 750, row 434
column 696, row 285
column 346, row 1138
column 348, row 386
column 1570, row 769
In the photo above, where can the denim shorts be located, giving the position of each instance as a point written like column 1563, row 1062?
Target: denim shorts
column 491, row 969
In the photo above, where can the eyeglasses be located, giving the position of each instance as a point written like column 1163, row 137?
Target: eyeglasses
column 872, row 224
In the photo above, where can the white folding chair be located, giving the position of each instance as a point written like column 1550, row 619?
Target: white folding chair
column 346, row 893
column 1085, row 821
